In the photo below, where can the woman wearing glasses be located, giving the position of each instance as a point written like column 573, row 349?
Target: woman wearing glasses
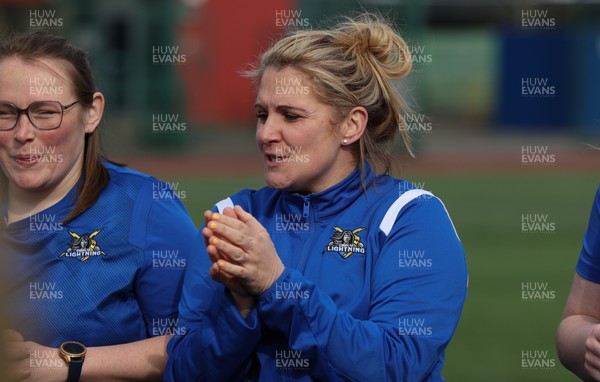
column 84, row 241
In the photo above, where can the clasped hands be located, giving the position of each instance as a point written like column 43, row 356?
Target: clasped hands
column 243, row 256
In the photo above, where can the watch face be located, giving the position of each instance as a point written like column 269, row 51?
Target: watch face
column 73, row 348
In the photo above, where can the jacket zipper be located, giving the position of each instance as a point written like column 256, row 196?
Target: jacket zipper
column 301, row 266
column 306, row 208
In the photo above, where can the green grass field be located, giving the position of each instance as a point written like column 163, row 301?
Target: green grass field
column 497, row 324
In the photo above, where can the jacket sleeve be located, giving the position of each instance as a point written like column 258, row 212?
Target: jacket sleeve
column 213, row 342
column 414, row 309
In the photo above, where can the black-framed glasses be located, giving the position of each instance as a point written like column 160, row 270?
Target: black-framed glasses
column 43, row 115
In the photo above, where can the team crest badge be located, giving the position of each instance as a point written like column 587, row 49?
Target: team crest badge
column 345, row 242
column 84, row 246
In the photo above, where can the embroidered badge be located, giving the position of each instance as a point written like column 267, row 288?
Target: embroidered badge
column 346, row 242
column 83, row 247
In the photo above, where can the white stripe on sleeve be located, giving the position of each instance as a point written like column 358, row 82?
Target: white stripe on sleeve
column 394, row 210
column 392, row 213
column 223, row 204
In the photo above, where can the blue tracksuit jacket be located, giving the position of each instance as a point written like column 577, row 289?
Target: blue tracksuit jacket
column 373, row 288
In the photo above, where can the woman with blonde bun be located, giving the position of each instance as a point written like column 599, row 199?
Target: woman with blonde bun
column 336, row 271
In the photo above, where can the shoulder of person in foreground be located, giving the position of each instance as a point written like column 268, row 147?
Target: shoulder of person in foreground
column 578, row 334
column 588, row 265
column 162, row 228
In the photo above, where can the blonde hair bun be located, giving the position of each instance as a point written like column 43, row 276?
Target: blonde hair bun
column 370, row 37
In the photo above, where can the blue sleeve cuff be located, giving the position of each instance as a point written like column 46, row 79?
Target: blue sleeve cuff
column 270, row 294
column 290, row 297
column 233, row 317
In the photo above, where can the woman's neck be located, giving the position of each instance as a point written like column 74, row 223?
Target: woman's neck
column 24, row 203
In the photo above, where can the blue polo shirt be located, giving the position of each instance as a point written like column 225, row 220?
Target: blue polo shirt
column 112, row 275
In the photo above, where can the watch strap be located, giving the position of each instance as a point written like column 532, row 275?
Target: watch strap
column 75, row 367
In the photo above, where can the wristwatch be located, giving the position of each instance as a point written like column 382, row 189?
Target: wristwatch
column 73, row 353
